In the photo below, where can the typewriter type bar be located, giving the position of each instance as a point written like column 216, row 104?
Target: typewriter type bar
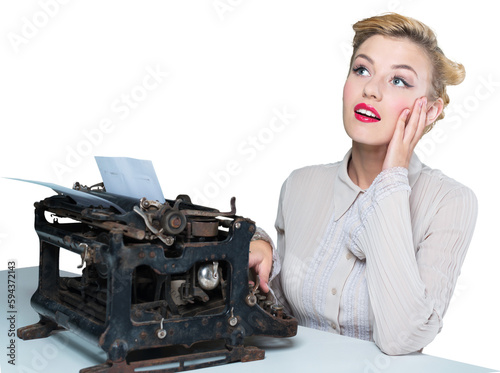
column 161, row 283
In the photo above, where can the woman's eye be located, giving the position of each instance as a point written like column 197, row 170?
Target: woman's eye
column 361, row 71
column 399, row 82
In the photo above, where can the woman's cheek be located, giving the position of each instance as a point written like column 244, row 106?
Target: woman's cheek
column 398, row 106
column 346, row 94
column 346, row 98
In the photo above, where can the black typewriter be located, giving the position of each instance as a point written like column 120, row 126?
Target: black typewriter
column 161, row 283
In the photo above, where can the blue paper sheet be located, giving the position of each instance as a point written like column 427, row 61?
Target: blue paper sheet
column 82, row 198
column 130, row 177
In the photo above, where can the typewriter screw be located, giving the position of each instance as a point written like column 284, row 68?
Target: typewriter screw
column 161, row 333
column 84, row 254
column 232, row 319
column 251, row 300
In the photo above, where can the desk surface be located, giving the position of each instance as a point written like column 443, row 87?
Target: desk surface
column 311, row 350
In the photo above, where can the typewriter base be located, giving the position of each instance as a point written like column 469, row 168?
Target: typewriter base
column 183, row 362
column 184, row 358
column 42, row 329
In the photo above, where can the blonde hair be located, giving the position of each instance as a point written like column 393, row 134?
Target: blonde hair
column 445, row 72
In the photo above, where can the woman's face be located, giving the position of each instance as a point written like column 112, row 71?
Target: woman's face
column 386, row 77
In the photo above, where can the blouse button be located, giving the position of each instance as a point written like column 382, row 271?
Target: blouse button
column 334, row 326
column 334, row 291
column 348, row 256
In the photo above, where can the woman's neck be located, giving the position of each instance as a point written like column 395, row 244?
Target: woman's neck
column 365, row 163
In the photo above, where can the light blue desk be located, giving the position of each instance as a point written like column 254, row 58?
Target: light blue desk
column 310, row 351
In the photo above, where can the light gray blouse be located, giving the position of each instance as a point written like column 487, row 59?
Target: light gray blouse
column 378, row 264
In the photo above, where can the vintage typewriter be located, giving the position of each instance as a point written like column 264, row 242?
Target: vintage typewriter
column 161, row 284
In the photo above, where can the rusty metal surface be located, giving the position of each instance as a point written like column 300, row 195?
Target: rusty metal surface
column 157, row 276
column 182, row 362
column 42, row 329
column 205, row 228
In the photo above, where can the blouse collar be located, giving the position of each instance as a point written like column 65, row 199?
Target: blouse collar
column 346, row 191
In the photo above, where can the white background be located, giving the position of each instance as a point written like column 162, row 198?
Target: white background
column 223, row 70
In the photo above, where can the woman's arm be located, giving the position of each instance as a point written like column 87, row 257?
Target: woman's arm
column 410, row 287
column 266, row 259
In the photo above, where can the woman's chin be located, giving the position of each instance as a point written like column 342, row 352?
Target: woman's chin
column 374, row 140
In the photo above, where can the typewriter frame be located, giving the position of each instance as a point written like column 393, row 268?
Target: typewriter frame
column 148, row 334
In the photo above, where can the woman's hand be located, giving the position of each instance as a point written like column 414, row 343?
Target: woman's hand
column 406, row 136
column 261, row 260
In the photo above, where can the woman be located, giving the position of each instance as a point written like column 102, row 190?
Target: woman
column 371, row 247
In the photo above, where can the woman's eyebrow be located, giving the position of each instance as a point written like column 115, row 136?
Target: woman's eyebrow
column 394, row 67
column 365, row 57
column 406, row 67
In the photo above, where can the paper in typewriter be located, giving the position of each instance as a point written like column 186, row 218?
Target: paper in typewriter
column 130, row 177
column 84, row 199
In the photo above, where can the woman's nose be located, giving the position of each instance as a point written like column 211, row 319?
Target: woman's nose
column 372, row 90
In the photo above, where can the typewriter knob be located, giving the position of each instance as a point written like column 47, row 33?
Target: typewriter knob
column 173, row 222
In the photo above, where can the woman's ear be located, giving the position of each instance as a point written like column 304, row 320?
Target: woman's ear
column 434, row 110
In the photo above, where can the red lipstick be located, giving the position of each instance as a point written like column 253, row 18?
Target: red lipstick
column 366, row 113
